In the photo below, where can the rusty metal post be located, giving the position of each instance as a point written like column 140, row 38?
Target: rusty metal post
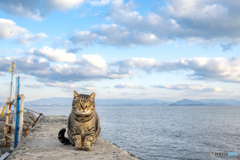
column 40, row 114
column 37, row 119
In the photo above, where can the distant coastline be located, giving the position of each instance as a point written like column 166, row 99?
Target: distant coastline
column 61, row 101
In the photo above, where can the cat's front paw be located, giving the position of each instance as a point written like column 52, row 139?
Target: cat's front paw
column 78, row 147
column 86, row 148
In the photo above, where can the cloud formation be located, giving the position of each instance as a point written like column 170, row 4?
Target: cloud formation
column 2, row 74
column 94, row 67
column 24, row 64
column 114, row 35
column 9, row 29
column 54, row 55
column 23, row 8
column 132, row 86
column 89, row 67
column 32, row 86
column 85, row 38
column 202, row 22
column 194, row 87
column 30, row 38
column 94, row 60
column 38, row 9
column 70, row 87
column 61, row 55
column 77, row 73
column 61, row 85
column 194, row 21
column 62, row 5
column 213, row 69
column 99, row 2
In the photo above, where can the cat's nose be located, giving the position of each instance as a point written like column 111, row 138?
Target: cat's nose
column 84, row 107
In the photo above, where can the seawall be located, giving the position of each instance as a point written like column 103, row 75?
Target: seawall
column 42, row 143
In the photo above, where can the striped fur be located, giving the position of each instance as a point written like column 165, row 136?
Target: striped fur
column 62, row 138
column 83, row 123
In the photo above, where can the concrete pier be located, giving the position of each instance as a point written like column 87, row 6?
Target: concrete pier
column 42, row 143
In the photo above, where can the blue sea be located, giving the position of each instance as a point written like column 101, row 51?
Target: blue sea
column 168, row 132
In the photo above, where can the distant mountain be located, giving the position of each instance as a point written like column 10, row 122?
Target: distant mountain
column 60, row 101
column 216, row 102
column 100, row 102
column 131, row 102
column 57, row 101
column 187, row 102
column 206, row 102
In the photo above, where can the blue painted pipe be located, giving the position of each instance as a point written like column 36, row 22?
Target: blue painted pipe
column 17, row 114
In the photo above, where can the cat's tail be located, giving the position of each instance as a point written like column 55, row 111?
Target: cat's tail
column 62, row 138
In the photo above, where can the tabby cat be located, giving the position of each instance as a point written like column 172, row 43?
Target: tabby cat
column 83, row 123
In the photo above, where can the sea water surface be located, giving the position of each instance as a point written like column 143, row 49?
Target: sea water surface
column 167, row 132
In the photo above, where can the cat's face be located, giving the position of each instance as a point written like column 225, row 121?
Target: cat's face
column 83, row 104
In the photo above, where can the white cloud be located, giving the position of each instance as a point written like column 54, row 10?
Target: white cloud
column 23, row 64
column 61, row 55
column 63, row 5
column 144, row 63
column 86, row 68
column 26, row 76
column 217, row 69
column 23, row 8
column 202, row 22
column 9, row 29
column 192, row 87
column 197, row 21
column 182, row 86
column 95, row 60
column 62, row 85
column 69, row 86
column 114, row 35
column 83, row 37
column 122, row 85
column 37, row 9
column 99, row 2
column 2, row 74
column 32, row 85
column 77, row 73
column 11, row 51
column 59, row 41
column 94, row 67
column 153, row 23
column 56, row 55
column 89, row 88
column 217, row 89
column 30, row 38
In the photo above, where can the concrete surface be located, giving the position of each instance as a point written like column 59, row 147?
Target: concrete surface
column 42, row 143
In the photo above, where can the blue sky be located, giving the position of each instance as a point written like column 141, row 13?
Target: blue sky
column 166, row 50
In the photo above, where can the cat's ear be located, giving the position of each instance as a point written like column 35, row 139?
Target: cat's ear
column 92, row 96
column 75, row 94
